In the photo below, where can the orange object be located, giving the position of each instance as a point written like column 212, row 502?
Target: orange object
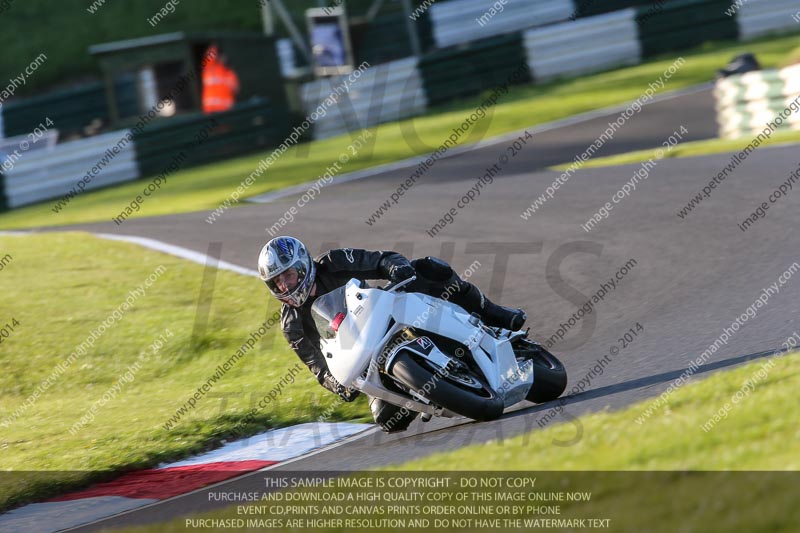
column 220, row 85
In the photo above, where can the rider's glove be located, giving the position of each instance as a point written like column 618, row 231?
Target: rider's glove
column 347, row 395
column 396, row 268
column 398, row 273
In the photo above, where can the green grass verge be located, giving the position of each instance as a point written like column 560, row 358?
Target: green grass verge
column 752, row 437
column 208, row 186
column 59, row 302
column 688, row 149
column 760, row 433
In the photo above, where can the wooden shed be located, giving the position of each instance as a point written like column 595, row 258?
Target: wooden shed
column 170, row 64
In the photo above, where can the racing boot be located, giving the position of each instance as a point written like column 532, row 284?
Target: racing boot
column 503, row 317
column 390, row 418
column 437, row 278
column 473, row 300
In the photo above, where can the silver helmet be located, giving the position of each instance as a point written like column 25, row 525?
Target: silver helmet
column 282, row 254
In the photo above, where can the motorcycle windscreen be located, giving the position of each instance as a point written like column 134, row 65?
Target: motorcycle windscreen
column 328, row 311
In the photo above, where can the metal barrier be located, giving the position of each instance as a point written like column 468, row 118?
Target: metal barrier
column 42, row 174
column 125, row 155
column 384, row 38
column 205, row 138
column 762, row 17
column 604, row 41
column 463, row 21
column 383, row 93
column 589, row 8
column 681, row 24
column 71, row 110
column 464, row 71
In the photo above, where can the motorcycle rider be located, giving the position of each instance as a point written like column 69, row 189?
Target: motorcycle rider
column 294, row 278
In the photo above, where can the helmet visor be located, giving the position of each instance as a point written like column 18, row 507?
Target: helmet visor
column 285, row 283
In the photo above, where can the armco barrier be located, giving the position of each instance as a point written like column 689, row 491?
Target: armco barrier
column 457, row 22
column 605, row 41
column 589, row 8
column 761, row 17
column 191, row 140
column 383, row 93
column 3, row 199
column 384, row 38
column 71, row 110
column 747, row 102
column 205, row 138
column 40, row 174
column 681, row 24
column 461, row 72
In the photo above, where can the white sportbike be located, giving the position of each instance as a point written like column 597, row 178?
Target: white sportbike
column 429, row 355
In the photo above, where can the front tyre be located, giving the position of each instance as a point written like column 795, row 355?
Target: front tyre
column 461, row 393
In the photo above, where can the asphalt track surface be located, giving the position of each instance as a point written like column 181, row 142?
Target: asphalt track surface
column 692, row 277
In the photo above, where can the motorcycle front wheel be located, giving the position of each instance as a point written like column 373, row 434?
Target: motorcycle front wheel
column 460, row 392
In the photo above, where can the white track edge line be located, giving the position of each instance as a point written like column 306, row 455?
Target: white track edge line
column 179, row 251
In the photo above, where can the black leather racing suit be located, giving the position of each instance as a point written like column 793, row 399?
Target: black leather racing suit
column 334, row 269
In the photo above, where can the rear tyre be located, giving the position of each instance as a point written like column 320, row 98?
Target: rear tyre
column 549, row 374
column 461, row 393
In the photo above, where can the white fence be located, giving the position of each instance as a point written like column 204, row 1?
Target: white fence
column 469, row 20
column 586, row 45
column 761, row 17
column 383, row 93
column 39, row 175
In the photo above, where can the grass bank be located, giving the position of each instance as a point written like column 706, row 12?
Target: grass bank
column 85, row 347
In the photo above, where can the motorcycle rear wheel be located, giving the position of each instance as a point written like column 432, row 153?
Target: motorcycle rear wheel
column 549, row 374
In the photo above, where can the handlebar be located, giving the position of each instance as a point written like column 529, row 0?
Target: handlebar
column 399, row 285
